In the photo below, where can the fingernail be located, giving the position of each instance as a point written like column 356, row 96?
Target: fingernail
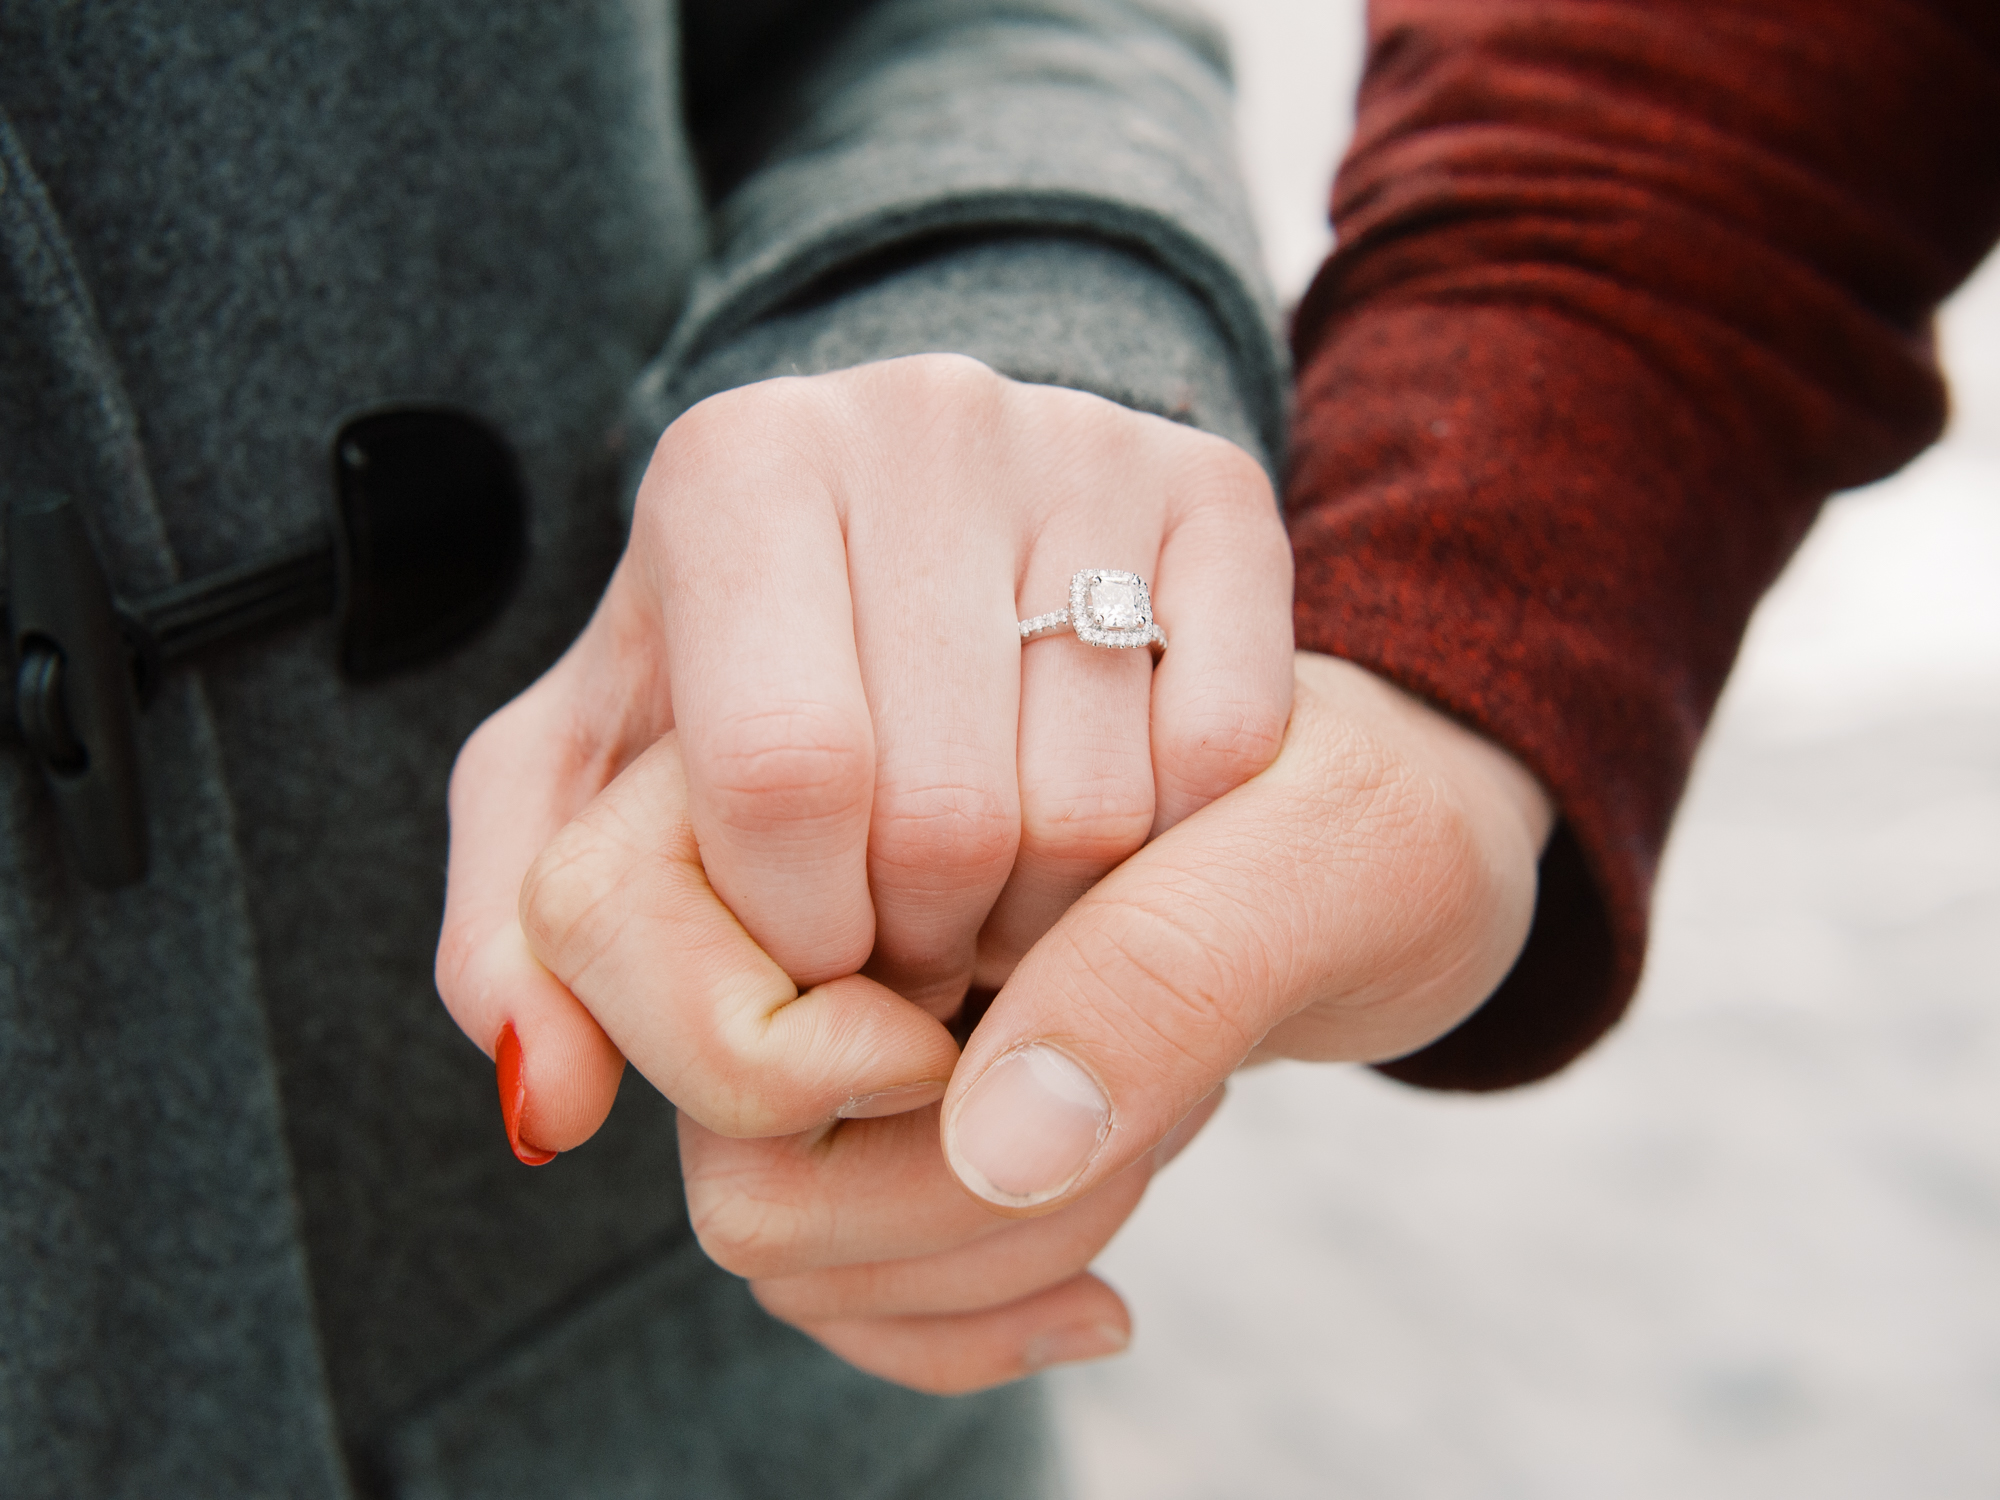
column 1079, row 1341
column 514, row 1096
column 891, row 1101
column 1028, row 1128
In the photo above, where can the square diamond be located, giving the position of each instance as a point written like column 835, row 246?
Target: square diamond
column 1118, row 604
column 1108, row 607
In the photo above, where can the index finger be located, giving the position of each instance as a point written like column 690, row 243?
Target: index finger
column 619, row 908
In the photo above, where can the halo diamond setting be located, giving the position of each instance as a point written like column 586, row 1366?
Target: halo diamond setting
column 1107, row 607
column 1110, row 608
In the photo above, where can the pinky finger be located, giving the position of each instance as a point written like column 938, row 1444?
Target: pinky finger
column 952, row 1354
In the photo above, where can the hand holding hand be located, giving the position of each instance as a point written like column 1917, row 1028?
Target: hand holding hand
column 819, row 599
column 1353, row 902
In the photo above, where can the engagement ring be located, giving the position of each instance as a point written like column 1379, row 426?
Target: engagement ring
column 1106, row 608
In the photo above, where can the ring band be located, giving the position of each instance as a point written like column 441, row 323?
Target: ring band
column 1107, row 607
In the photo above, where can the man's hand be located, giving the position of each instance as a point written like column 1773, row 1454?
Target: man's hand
column 1354, row 901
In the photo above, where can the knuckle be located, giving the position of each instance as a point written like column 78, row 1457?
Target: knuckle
column 770, row 426
column 940, row 400
column 717, row 424
column 1225, row 474
column 949, row 831
column 745, row 1230
column 1095, row 824
column 1186, row 972
column 802, row 762
column 1454, row 878
column 687, row 446
column 1222, row 747
column 1444, row 931
column 562, row 899
column 948, row 377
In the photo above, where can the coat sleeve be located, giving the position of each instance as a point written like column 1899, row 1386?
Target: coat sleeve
column 1047, row 185
column 1624, row 289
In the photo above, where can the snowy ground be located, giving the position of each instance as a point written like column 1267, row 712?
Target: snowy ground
column 1751, row 1246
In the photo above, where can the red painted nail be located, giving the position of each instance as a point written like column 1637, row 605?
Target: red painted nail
column 514, row 1096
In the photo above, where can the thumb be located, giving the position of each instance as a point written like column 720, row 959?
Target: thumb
column 1354, row 901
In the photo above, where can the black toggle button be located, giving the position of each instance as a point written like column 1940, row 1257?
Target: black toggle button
column 433, row 532
column 45, row 712
column 428, row 541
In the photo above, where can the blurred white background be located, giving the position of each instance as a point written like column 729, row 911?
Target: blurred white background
column 1750, row 1247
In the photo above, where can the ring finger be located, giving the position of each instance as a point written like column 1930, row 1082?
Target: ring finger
column 1113, row 752
column 1085, row 753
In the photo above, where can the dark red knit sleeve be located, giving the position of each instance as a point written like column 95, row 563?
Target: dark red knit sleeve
column 1623, row 290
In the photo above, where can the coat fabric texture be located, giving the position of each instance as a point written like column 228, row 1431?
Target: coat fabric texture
column 260, row 1231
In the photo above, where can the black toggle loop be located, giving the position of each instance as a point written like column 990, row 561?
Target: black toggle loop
column 38, row 699
column 75, row 687
column 189, row 618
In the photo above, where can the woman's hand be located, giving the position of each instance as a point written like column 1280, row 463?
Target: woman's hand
column 890, row 795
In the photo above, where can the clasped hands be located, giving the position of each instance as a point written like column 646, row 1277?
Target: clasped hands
column 798, row 788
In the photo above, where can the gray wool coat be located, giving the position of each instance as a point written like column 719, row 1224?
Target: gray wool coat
column 260, row 1231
